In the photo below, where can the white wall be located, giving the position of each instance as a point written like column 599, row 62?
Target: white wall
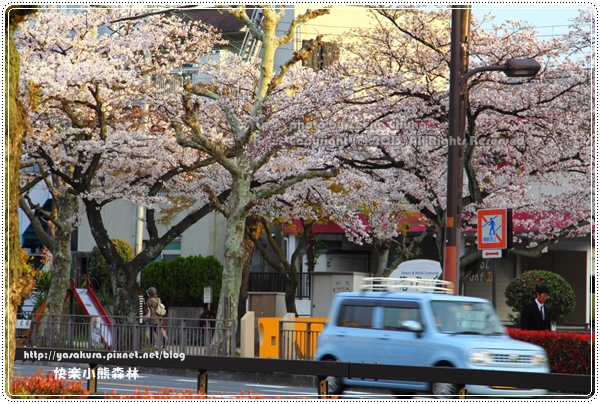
column 341, row 18
column 203, row 238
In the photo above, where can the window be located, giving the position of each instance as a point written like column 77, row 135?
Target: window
column 394, row 316
column 322, row 57
column 172, row 250
column 466, row 317
column 356, row 315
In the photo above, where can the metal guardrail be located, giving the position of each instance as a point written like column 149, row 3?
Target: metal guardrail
column 122, row 333
column 579, row 383
column 298, row 339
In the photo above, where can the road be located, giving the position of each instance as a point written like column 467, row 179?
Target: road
column 216, row 388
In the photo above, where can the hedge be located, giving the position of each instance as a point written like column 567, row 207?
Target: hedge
column 40, row 387
column 568, row 352
column 181, row 282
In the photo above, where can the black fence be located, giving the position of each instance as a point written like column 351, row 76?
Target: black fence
column 273, row 282
column 578, row 383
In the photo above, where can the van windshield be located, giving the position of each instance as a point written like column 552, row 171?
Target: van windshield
column 478, row 318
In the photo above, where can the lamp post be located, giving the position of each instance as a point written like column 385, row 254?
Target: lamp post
column 456, row 122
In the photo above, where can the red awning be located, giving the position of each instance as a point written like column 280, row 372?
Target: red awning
column 558, row 220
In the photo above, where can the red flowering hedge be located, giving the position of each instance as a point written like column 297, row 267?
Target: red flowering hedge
column 164, row 394
column 568, row 352
column 38, row 386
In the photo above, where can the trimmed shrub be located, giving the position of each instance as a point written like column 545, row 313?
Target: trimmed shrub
column 521, row 291
column 568, row 352
column 164, row 394
column 181, row 282
column 40, row 387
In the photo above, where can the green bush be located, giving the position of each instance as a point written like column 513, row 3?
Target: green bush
column 100, row 271
column 521, row 291
column 181, row 282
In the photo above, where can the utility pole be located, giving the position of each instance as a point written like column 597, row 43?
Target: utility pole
column 459, row 65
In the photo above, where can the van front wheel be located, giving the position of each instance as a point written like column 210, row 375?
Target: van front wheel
column 335, row 387
column 444, row 390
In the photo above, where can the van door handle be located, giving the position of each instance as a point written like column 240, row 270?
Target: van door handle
column 385, row 337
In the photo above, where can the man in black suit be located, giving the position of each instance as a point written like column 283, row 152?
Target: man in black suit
column 535, row 315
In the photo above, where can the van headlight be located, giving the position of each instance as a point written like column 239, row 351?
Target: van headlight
column 539, row 359
column 480, row 357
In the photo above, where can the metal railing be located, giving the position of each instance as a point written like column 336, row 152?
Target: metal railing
column 379, row 284
column 298, row 339
column 174, row 83
column 251, row 45
column 273, row 282
column 104, row 333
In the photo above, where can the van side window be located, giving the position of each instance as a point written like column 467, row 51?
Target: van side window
column 355, row 316
column 394, row 316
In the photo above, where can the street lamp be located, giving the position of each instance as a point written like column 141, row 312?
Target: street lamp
column 512, row 68
column 456, row 122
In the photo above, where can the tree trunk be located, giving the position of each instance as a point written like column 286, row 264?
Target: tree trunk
column 290, row 291
column 234, row 254
column 254, row 225
column 18, row 277
column 67, row 207
column 383, row 252
column 311, row 243
column 125, row 297
column 123, row 274
column 440, row 241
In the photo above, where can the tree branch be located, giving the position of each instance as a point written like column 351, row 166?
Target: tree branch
column 34, row 218
column 301, row 19
column 287, row 183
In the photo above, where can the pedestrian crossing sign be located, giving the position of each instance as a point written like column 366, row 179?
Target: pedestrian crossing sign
column 492, row 229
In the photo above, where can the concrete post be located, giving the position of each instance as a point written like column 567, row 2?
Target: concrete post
column 247, row 335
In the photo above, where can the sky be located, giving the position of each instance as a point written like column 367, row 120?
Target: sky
column 548, row 19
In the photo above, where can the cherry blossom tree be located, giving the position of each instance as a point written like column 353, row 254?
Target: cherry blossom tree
column 313, row 201
column 93, row 81
column 520, row 133
column 245, row 119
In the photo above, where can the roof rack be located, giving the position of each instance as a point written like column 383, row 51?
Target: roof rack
column 398, row 285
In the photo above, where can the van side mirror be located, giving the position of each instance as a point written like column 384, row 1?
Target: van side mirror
column 412, row 325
